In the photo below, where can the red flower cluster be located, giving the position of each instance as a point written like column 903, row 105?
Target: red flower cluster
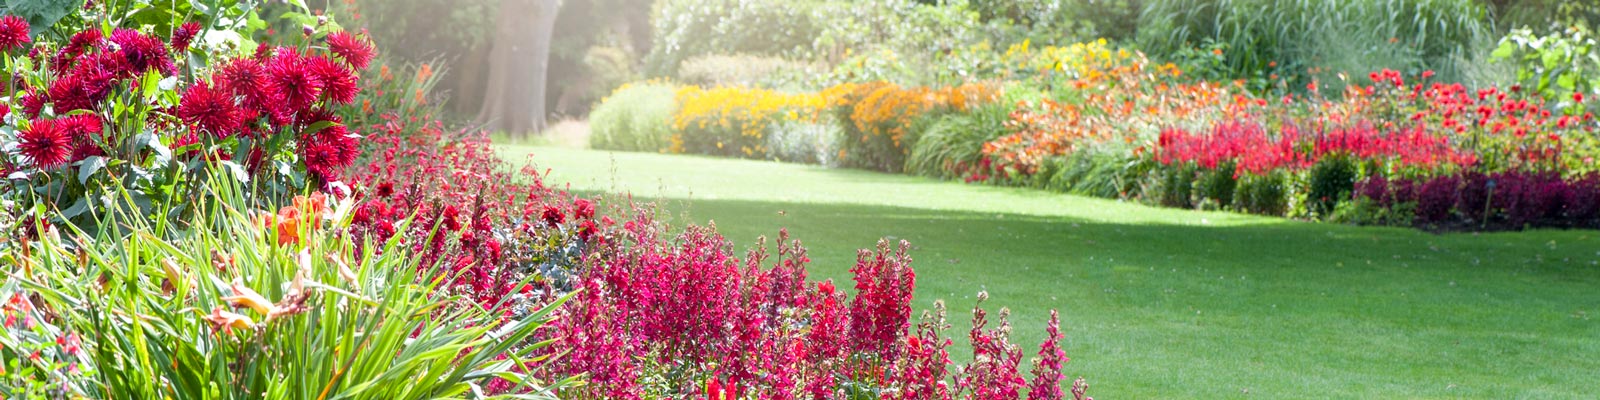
column 688, row 311
column 1248, row 147
column 488, row 224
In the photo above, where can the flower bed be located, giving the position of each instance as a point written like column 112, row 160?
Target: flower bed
column 1114, row 124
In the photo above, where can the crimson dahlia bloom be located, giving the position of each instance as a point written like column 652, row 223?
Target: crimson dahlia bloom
column 210, row 109
column 184, row 36
column 293, row 80
column 143, row 52
column 45, row 144
column 84, row 129
column 354, row 50
column 13, row 33
column 338, row 83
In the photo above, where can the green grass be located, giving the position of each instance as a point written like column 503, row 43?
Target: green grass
column 1163, row 303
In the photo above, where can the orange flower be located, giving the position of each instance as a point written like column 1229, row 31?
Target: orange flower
column 1216, row 51
column 424, row 73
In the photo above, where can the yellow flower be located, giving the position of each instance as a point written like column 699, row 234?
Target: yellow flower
column 245, row 297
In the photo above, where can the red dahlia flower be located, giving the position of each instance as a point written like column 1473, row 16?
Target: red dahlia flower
column 45, row 143
column 338, row 83
column 13, row 32
column 210, row 109
column 143, row 52
column 330, row 150
column 291, row 77
column 84, row 129
column 354, row 50
column 184, row 36
column 247, row 78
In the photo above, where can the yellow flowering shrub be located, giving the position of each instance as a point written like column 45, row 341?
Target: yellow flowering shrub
column 880, row 118
column 735, row 121
column 1091, row 60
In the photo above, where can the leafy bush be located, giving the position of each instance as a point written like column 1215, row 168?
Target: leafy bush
column 637, row 117
column 1561, row 67
column 684, row 29
column 1262, row 194
column 1331, row 180
column 714, row 70
column 805, row 142
column 1216, row 186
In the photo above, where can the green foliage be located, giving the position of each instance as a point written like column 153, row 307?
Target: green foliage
column 712, row 70
column 1555, row 66
column 1173, row 186
column 956, row 139
column 1216, row 186
column 155, row 317
column 1262, row 194
column 1365, row 211
column 684, row 29
column 803, row 142
column 41, row 14
column 1329, row 182
column 636, row 117
column 1325, row 35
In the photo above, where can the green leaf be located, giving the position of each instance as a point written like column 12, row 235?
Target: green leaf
column 1504, row 51
column 78, row 208
column 41, row 14
column 90, row 165
column 237, row 170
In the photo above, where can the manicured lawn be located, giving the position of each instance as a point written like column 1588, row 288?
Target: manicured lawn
column 1160, row 303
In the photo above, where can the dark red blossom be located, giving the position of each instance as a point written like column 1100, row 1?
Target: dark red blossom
column 88, row 84
column 328, row 151
column 338, row 82
column 13, row 33
column 552, row 215
column 84, row 129
column 293, row 80
column 45, row 144
column 184, row 36
column 355, row 51
column 247, row 78
column 143, row 52
column 209, row 109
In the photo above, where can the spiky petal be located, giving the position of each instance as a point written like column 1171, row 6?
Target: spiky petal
column 45, row 144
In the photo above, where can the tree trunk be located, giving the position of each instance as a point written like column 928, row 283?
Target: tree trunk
column 519, row 64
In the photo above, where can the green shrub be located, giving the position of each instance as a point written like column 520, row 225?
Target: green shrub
column 804, row 142
column 955, row 140
column 636, row 117
column 684, row 29
column 1172, row 186
column 1330, row 181
column 746, row 71
column 1216, row 186
column 1366, row 211
column 1262, row 194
